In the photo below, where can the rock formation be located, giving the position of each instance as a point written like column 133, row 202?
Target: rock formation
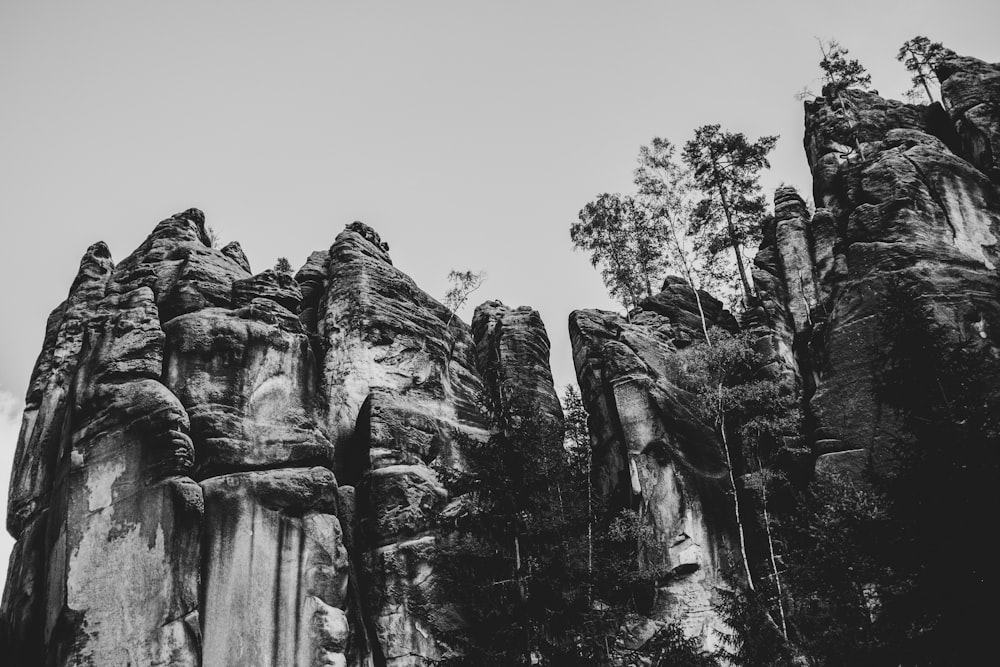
column 175, row 494
column 918, row 209
column 224, row 468
column 653, row 454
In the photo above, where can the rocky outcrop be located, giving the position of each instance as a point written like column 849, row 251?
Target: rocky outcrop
column 653, row 454
column 399, row 391
column 174, row 494
column 971, row 92
column 512, row 356
column 217, row 467
column 908, row 212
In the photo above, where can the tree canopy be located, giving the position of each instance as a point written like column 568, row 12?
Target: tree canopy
column 840, row 72
column 625, row 243
column 921, row 56
column 726, row 168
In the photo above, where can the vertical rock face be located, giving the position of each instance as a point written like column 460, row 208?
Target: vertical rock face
column 971, row 92
column 221, row 468
column 512, row 355
column 910, row 211
column 653, row 454
column 398, row 392
column 174, row 494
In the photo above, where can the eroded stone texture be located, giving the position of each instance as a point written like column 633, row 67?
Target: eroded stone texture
column 276, row 570
column 512, row 356
column 177, row 263
column 400, row 391
column 652, row 453
column 910, row 212
column 123, row 561
column 247, row 378
column 41, row 439
column 971, row 92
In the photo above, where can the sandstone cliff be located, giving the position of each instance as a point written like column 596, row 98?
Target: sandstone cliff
column 217, row 467
column 233, row 469
column 653, row 454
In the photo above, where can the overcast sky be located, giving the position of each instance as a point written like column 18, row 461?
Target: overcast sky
column 469, row 134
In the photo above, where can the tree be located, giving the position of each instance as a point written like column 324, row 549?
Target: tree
column 726, row 168
column 666, row 190
column 463, row 283
column 841, row 74
column 722, row 373
column 921, row 56
column 283, row 265
column 581, row 462
column 514, row 561
column 942, row 380
column 214, row 238
column 624, row 242
column 753, row 640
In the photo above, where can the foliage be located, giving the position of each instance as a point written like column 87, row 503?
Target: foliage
column 877, row 577
column 840, row 72
column 723, row 374
column 726, row 168
column 666, row 189
column 283, row 265
column 625, row 242
column 463, row 283
column 921, row 56
column 943, row 384
column 754, row 640
column 834, row 541
column 514, row 561
column 670, row 648
column 579, row 457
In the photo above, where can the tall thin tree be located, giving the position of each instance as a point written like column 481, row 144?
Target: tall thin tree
column 921, row 56
column 726, row 167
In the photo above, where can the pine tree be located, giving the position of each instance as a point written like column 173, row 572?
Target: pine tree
column 921, row 56
column 726, row 167
column 841, row 74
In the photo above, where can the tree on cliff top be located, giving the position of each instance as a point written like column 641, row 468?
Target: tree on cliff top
column 921, row 56
column 841, row 74
column 625, row 243
column 666, row 190
column 463, row 283
column 726, row 167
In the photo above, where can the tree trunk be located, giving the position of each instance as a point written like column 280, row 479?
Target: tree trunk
column 736, row 495
column 732, row 230
column 690, row 279
column 770, row 552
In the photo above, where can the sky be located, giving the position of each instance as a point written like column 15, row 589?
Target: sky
column 468, row 134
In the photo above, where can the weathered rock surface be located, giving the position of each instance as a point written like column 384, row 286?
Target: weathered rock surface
column 654, row 455
column 179, row 365
column 221, row 468
column 971, row 92
column 512, row 355
column 910, row 212
column 276, row 572
column 400, row 389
